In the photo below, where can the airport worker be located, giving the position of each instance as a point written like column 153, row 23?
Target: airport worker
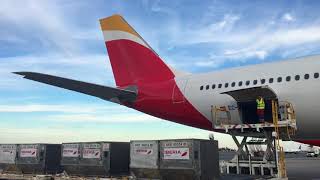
column 260, row 109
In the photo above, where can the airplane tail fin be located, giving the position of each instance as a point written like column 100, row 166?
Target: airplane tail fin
column 132, row 59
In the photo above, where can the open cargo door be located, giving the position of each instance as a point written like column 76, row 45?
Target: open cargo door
column 246, row 100
column 251, row 94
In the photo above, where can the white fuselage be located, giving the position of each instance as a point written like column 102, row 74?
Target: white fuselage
column 302, row 93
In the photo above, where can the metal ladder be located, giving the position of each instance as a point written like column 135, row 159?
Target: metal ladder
column 282, row 173
column 222, row 109
column 292, row 117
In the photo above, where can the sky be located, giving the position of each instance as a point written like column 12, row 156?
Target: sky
column 63, row 38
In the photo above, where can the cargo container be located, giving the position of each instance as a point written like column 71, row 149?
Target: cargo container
column 70, row 157
column 39, row 158
column 192, row 159
column 144, row 159
column 99, row 159
column 8, row 157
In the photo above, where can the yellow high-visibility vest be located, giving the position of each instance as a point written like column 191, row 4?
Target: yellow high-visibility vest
column 260, row 104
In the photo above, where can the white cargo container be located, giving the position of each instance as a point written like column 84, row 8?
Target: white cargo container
column 144, row 159
column 39, row 158
column 8, row 154
column 193, row 159
column 30, row 158
column 100, row 159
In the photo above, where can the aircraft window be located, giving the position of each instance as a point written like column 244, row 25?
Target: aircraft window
column 201, row 87
column 279, row 79
column 213, row 86
column 297, row 77
column 271, row 80
column 255, row 82
column 288, row 78
column 316, row 75
column 220, row 85
column 263, row 81
column 247, row 83
column 240, row 83
column 207, row 87
column 226, row 85
column 306, row 76
column 233, row 84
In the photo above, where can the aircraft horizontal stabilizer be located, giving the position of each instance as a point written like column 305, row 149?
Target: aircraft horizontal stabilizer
column 107, row 93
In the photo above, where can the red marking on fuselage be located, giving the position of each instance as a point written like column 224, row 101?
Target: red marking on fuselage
column 156, row 99
column 311, row 142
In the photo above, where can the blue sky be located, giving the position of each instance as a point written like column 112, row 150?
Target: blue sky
column 63, row 38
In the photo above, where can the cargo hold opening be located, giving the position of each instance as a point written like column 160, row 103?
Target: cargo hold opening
column 247, row 106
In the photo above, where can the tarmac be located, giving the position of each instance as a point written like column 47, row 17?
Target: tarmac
column 303, row 168
column 299, row 167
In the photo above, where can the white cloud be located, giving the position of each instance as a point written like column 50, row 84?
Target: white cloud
column 227, row 22
column 286, row 39
column 234, row 38
column 44, row 21
column 156, row 7
column 94, row 68
column 100, row 113
column 11, row 38
column 103, row 118
column 29, row 61
column 214, row 60
column 36, row 135
column 97, row 113
column 46, row 108
column 288, row 17
column 256, row 43
column 64, row 52
column 37, row 108
column 294, row 36
column 65, row 108
column 249, row 37
column 206, row 63
column 245, row 53
column 214, row 32
column 60, row 134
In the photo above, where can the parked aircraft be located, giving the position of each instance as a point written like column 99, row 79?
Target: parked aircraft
column 145, row 83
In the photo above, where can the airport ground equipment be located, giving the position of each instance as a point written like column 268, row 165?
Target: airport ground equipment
column 98, row 159
column 38, row 158
column 8, row 154
column 189, row 159
column 271, row 160
column 144, row 159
